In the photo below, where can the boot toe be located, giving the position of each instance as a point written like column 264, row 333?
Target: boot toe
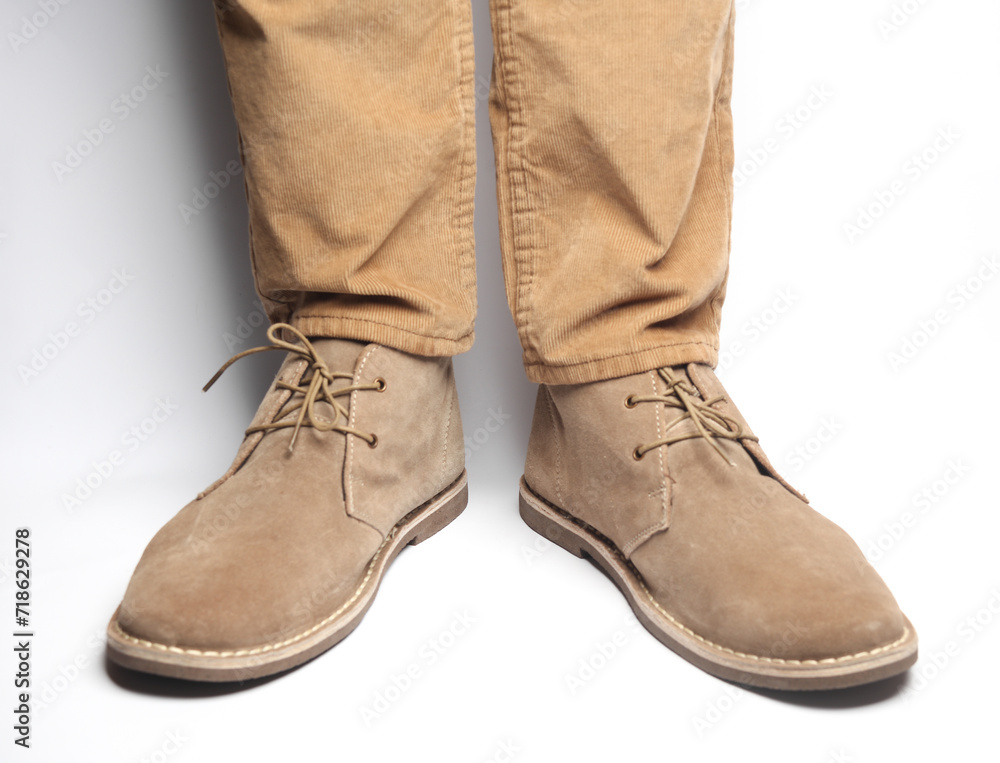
column 206, row 591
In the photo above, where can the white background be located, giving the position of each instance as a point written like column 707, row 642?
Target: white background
column 820, row 367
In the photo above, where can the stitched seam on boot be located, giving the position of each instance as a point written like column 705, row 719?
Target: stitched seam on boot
column 664, row 516
column 298, row 637
column 349, row 457
column 604, row 540
column 552, row 420
column 447, row 435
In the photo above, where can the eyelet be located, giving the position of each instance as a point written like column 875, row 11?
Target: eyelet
column 637, row 455
column 374, row 442
column 380, row 384
column 630, row 402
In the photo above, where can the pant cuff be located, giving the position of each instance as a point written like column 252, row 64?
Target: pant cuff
column 624, row 365
column 362, row 330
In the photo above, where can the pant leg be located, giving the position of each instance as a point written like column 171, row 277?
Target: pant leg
column 356, row 125
column 613, row 135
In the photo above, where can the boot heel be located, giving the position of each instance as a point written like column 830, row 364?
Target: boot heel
column 548, row 524
column 441, row 517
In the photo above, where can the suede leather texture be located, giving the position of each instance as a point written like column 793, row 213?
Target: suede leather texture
column 731, row 552
column 272, row 547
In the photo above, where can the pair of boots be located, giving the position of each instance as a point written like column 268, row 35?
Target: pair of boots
column 357, row 451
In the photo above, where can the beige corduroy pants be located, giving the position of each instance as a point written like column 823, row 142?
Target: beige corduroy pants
column 613, row 137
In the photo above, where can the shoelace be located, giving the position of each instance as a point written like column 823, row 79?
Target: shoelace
column 312, row 388
column 711, row 424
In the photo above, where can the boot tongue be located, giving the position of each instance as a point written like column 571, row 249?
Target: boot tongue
column 341, row 356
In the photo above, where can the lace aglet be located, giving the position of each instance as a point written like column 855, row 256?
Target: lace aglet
column 718, row 449
column 211, row 381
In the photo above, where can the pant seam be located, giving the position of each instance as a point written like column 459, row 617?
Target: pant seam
column 465, row 209
column 524, row 261
column 276, row 311
column 727, row 62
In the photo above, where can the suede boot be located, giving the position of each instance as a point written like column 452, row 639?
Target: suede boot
column 657, row 478
column 355, row 452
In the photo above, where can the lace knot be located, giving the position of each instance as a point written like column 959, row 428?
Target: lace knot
column 312, row 388
column 710, row 423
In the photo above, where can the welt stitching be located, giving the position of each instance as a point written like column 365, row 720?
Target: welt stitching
column 266, row 647
column 298, row 637
column 609, row 544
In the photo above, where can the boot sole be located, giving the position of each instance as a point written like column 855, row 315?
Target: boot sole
column 243, row 664
column 765, row 672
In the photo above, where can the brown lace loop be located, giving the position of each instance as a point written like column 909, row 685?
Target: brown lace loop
column 711, row 423
column 312, row 387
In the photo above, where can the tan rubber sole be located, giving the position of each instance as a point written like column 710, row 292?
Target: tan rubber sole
column 243, row 664
column 752, row 670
